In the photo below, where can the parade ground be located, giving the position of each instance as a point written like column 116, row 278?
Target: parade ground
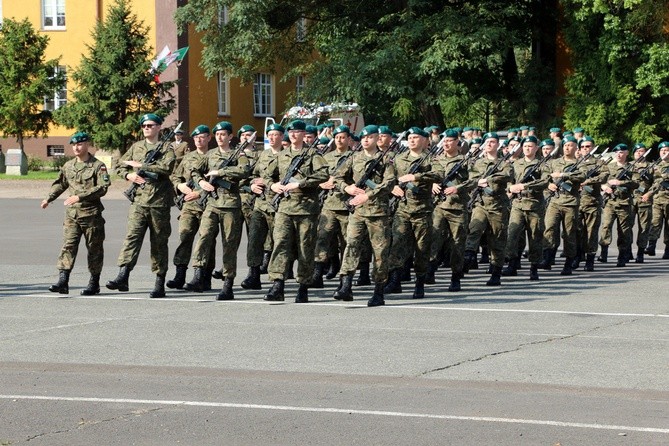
column 579, row 360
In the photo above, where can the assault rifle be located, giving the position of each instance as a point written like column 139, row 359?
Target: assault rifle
column 651, row 167
column 325, row 193
column 529, row 173
column 216, row 181
column 181, row 197
column 562, row 183
column 454, row 172
column 476, row 195
column 366, row 178
column 625, row 173
column 594, row 172
column 151, row 157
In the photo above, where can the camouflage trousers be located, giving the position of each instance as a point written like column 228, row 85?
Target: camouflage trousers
column 494, row 221
column 620, row 214
column 157, row 221
column 522, row 222
column 660, row 220
column 293, row 233
column 331, row 234
column 449, row 228
column 92, row 227
column 247, row 210
column 260, row 229
column 642, row 215
column 411, row 231
column 229, row 222
column 189, row 225
column 567, row 216
column 367, row 230
column 589, row 221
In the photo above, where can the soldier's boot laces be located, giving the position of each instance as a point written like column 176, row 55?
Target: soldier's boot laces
column 603, row 255
column 120, row 283
column 377, row 298
column 195, row 284
column 363, row 275
column 275, row 292
column 179, row 278
column 566, row 269
column 419, row 288
column 454, row 286
column 159, row 287
column 317, row 278
column 226, row 292
column 589, row 262
column 430, row 278
column 345, row 290
column 534, row 272
column 265, row 261
column 650, row 249
column 252, row 281
column 302, row 294
column 63, row 284
column 394, row 286
column 333, row 270
column 93, row 286
column 495, row 277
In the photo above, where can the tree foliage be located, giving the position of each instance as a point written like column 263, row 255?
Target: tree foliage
column 619, row 87
column 25, row 79
column 113, row 84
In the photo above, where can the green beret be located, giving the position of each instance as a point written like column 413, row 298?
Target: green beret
column 555, row 129
column 504, row 143
column 369, row 130
column 584, row 139
column 458, row 129
column 329, row 125
column 297, row 124
column 311, row 129
column 450, row 133
column 223, row 125
column 324, row 140
column 639, row 145
column 385, row 130
column 490, row 135
column 277, row 127
column 341, row 129
column 530, row 138
column 524, row 127
column 320, row 127
column 512, row 130
column 569, row 138
column 200, row 129
column 80, row 137
column 568, row 134
column 150, row 117
column 547, row 142
column 514, row 138
column 476, row 141
column 663, row 144
column 620, row 148
column 467, row 129
column 578, row 130
column 244, row 129
column 532, row 129
column 418, row 131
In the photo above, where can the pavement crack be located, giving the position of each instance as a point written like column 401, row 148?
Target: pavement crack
column 524, row 345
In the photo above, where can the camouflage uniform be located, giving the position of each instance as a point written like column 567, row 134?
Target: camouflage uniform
column 618, row 208
column 180, row 151
column 590, row 206
column 222, row 213
column 660, row 191
column 262, row 217
column 245, row 193
column 150, row 210
column 642, row 211
column 89, row 181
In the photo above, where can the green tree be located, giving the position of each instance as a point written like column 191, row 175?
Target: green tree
column 113, row 84
column 620, row 56
column 401, row 60
column 25, row 79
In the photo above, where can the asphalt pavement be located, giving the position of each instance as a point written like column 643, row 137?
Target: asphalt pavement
column 565, row 360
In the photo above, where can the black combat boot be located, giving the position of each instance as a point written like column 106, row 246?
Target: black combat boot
column 622, row 258
column 63, row 284
column 217, row 274
column 470, row 261
column 589, row 262
column 496, row 276
column 195, row 284
column 93, row 286
column 454, row 286
column 265, row 261
column 512, row 268
column 419, row 288
column 394, row 285
column 548, row 259
column 650, row 249
column 430, row 278
column 275, row 293
column 121, row 281
column 363, row 274
column 344, row 292
column 485, row 255
column 603, row 255
column 317, row 277
column 566, row 269
column 252, row 281
column 302, row 294
column 577, row 261
column 179, row 278
column 377, row 298
column 226, row 292
column 534, row 272
column 333, row 270
column 639, row 256
column 207, row 275
column 159, row 287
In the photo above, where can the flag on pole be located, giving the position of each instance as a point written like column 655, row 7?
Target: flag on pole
column 165, row 59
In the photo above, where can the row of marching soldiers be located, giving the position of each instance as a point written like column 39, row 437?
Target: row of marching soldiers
column 389, row 203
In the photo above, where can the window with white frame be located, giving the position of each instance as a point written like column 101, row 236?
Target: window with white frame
column 223, row 96
column 262, row 95
column 59, row 97
column 53, row 14
column 299, row 87
column 301, row 30
column 55, row 150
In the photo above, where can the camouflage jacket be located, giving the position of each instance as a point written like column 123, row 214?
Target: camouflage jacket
column 418, row 194
column 89, row 181
column 227, row 181
column 532, row 197
column 569, row 192
column 183, row 174
column 456, row 201
column 155, row 193
column 336, row 199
